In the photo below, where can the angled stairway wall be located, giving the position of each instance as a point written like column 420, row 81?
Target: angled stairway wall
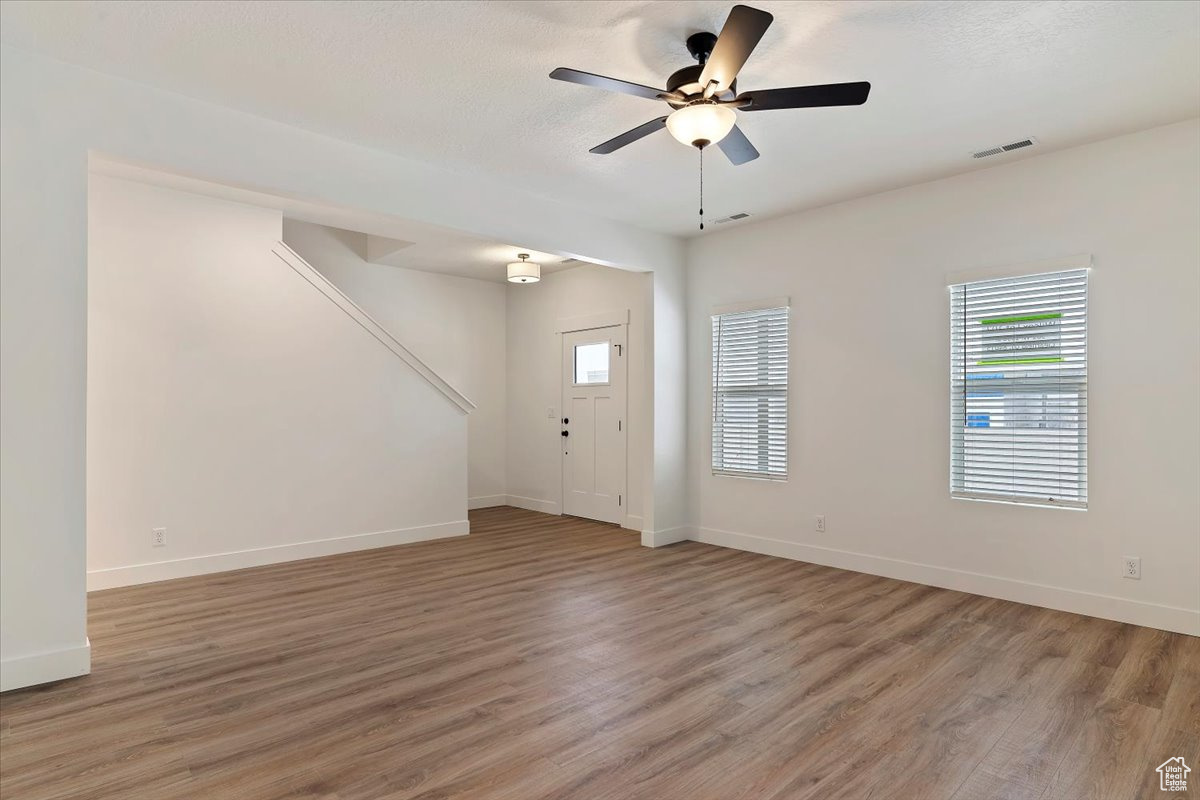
column 239, row 401
column 455, row 324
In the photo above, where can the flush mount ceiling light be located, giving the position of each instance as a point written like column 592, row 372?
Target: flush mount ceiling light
column 524, row 271
column 705, row 96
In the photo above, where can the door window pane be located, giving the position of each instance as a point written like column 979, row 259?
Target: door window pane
column 591, row 363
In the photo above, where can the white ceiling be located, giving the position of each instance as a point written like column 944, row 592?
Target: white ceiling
column 441, row 251
column 464, row 84
column 377, row 238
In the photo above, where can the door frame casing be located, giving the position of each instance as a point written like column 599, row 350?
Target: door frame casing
column 585, row 322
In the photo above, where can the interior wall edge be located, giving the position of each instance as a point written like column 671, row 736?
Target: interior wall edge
column 662, row 538
column 486, row 501
column 534, row 504
column 53, row 665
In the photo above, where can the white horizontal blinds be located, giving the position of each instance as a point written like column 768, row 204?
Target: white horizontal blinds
column 1018, row 353
column 750, row 379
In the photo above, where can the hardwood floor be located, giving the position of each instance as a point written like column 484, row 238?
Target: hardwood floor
column 547, row 657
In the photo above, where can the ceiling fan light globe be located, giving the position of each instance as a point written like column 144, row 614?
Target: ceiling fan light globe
column 702, row 122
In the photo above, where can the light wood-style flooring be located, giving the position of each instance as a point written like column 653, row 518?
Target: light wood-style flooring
column 549, row 657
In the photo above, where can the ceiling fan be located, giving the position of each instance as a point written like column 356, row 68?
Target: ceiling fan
column 705, row 98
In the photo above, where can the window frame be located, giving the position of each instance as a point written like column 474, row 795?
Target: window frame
column 958, row 405
column 782, row 391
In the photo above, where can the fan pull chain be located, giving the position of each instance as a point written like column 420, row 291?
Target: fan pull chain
column 701, row 149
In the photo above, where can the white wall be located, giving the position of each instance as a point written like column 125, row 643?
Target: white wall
column 534, row 379
column 869, row 394
column 51, row 115
column 668, row 448
column 455, row 325
column 230, row 402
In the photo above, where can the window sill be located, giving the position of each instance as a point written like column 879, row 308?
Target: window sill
column 1061, row 506
column 749, row 476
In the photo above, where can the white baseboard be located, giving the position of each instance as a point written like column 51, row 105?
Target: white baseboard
column 633, row 522
column 533, row 504
column 1153, row 615
column 487, row 501
column 222, row 562
column 56, row 665
column 666, row 536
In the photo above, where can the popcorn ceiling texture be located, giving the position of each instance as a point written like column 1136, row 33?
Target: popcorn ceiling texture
column 464, row 85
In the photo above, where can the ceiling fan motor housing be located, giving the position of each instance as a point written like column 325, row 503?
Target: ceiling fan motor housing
column 687, row 80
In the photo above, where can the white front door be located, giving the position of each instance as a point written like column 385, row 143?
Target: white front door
column 593, row 423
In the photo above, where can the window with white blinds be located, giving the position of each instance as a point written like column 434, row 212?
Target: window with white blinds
column 1018, row 385
column 750, row 388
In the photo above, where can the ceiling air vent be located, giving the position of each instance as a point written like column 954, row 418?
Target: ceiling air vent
column 1005, row 148
column 731, row 218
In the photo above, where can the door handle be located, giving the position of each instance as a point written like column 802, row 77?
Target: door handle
column 566, row 433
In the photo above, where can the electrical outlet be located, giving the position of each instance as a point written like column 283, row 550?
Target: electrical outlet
column 158, row 537
column 820, row 523
column 1132, row 568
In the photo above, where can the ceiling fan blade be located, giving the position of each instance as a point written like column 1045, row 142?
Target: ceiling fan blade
column 737, row 147
column 829, row 94
column 629, row 137
column 602, row 82
column 743, row 29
